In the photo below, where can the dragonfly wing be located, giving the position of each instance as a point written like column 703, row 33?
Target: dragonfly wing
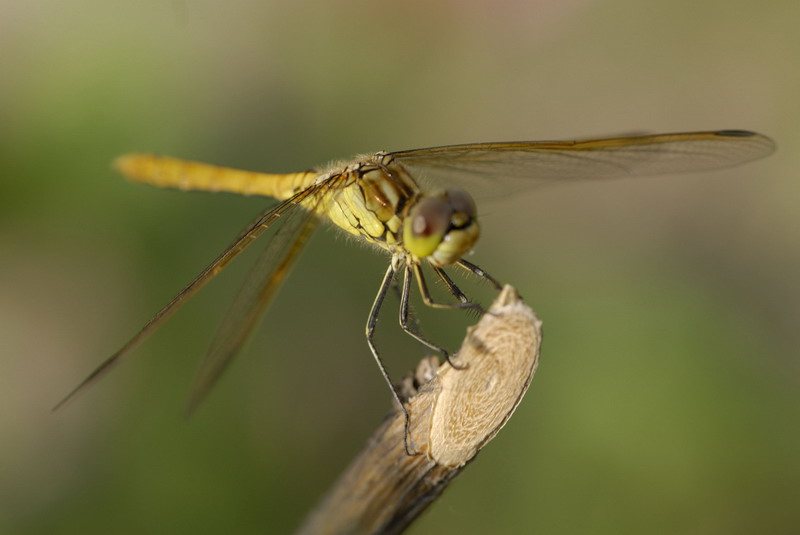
column 489, row 169
column 257, row 292
column 255, row 229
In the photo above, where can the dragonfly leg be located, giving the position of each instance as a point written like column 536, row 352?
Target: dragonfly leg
column 371, row 322
column 465, row 303
column 451, row 286
column 480, row 272
column 404, row 317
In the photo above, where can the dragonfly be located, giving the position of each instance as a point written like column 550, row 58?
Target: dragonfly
column 412, row 204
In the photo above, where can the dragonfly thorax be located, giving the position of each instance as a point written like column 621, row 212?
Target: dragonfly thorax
column 381, row 202
column 441, row 227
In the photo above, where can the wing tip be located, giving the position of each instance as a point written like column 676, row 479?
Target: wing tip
column 748, row 134
column 737, row 133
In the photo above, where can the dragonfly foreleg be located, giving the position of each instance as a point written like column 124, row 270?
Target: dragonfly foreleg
column 465, row 303
column 451, row 286
column 480, row 272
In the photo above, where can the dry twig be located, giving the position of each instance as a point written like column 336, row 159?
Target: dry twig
column 453, row 415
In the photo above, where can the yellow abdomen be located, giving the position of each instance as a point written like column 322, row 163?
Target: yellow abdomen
column 168, row 172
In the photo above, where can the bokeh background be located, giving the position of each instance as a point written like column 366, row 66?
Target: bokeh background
column 668, row 396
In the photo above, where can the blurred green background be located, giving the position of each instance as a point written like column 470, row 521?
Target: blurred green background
column 668, row 395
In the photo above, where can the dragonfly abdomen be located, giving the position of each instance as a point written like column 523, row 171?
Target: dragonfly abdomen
column 168, row 172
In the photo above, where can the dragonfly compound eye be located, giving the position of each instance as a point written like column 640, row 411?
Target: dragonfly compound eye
column 462, row 203
column 425, row 226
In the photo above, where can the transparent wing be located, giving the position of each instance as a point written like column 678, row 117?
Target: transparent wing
column 489, row 169
column 255, row 229
column 255, row 295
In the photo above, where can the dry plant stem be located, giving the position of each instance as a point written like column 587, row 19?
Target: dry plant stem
column 452, row 417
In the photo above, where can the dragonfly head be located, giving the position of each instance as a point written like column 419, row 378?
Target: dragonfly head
column 441, row 227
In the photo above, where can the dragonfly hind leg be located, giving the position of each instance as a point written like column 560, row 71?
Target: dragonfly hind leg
column 372, row 320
